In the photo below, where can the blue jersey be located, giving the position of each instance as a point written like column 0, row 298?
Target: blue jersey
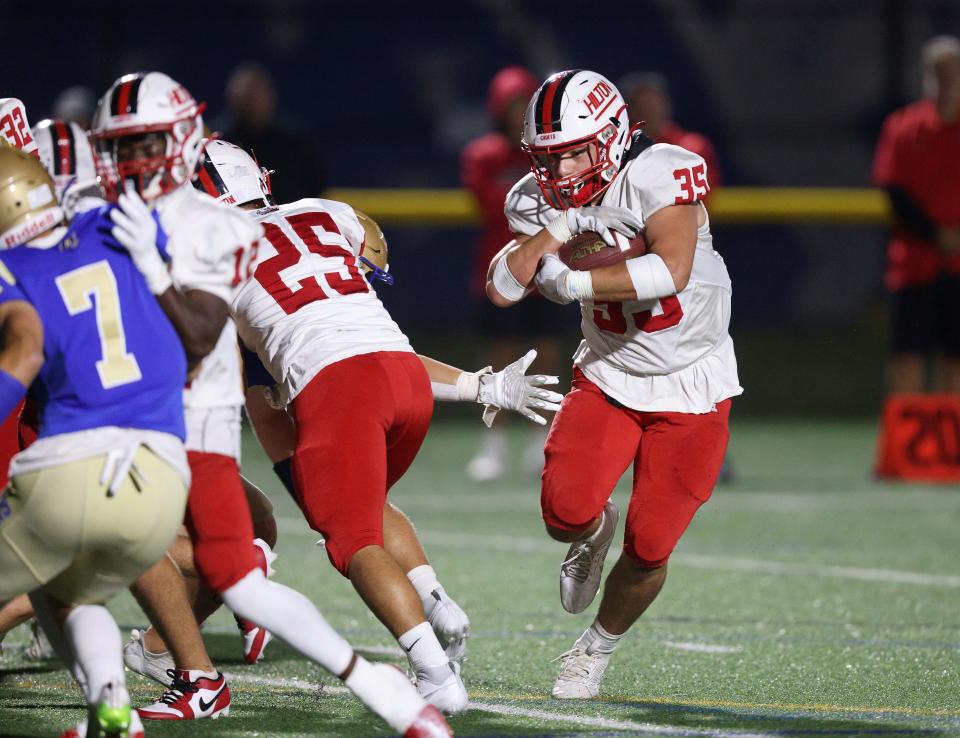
column 111, row 356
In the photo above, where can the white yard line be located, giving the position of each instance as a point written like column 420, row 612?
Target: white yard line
column 513, row 711
column 518, row 544
column 701, row 647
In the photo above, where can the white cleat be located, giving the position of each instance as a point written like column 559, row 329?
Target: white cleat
column 450, row 624
column 443, row 688
column 580, row 572
column 581, row 674
column 490, row 461
column 39, row 648
column 137, row 658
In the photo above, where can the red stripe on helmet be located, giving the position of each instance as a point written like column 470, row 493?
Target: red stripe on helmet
column 63, row 143
column 548, row 105
column 123, row 98
column 208, row 186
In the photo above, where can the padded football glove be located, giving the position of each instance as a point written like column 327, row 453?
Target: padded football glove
column 598, row 218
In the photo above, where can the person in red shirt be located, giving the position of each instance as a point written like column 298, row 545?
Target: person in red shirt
column 648, row 100
column 918, row 164
column 489, row 166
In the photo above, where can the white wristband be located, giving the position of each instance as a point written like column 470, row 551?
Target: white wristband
column 650, row 276
column 506, row 284
column 559, row 228
column 579, row 285
column 468, row 385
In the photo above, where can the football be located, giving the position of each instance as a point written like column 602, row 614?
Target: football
column 588, row 250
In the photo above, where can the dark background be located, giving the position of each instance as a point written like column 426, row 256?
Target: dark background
column 792, row 92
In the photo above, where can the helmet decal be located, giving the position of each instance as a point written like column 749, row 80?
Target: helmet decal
column 125, row 96
column 550, row 100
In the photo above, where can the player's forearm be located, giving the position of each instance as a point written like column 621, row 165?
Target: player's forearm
column 22, row 334
column 450, row 383
column 512, row 271
column 198, row 317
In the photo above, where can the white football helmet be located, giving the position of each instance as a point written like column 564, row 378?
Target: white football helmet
column 14, row 126
column 135, row 110
column 66, row 153
column 570, row 110
column 231, row 175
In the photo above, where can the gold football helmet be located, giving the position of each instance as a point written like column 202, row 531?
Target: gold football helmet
column 373, row 254
column 28, row 199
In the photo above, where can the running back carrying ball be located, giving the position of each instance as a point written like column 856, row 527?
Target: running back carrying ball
column 588, row 250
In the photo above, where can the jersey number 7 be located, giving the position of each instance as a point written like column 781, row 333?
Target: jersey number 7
column 77, row 288
column 288, row 255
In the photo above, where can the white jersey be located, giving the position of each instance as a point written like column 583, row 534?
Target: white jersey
column 308, row 305
column 211, row 246
column 14, row 126
column 668, row 355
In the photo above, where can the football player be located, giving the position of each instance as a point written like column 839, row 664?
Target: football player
column 110, row 447
column 67, row 155
column 656, row 370
column 352, row 381
column 148, row 132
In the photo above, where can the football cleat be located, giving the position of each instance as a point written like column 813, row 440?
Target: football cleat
column 113, row 716
column 450, row 624
column 490, row 462
column 580, row 674
column 39, row 648
column 190, row 699
column 580, row 572
column 255, row 638
column 429, row 724
column 443, row 688
column 156, row 666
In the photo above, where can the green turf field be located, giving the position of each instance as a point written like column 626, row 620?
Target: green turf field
column 806, row 599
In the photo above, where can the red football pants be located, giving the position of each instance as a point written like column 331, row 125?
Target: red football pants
column 360, row 423
column 218, row 519
column 676, row 461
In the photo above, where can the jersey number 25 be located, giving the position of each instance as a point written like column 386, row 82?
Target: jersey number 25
column 289, row 254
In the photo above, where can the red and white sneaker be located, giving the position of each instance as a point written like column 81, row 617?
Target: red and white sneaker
column 191, row 696
column 429, row 724
column 255, row 638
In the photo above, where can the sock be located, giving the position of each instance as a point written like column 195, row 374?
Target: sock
column 291, row 617
column 596, row 639
column 371, row 686
column 194, row 674
column 422, row 647
column 95, row 639
column 424, row 580
column 41, row 610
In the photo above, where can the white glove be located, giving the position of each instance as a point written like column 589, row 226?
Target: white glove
column 599, row 218
column 136, row 230
column 551, row 279
column 511, row 389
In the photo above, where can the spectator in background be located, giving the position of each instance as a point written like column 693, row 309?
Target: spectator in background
column 648, row 100
column 489, row 167
column 75, row 104
column 251, row 105
column 918, row 164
